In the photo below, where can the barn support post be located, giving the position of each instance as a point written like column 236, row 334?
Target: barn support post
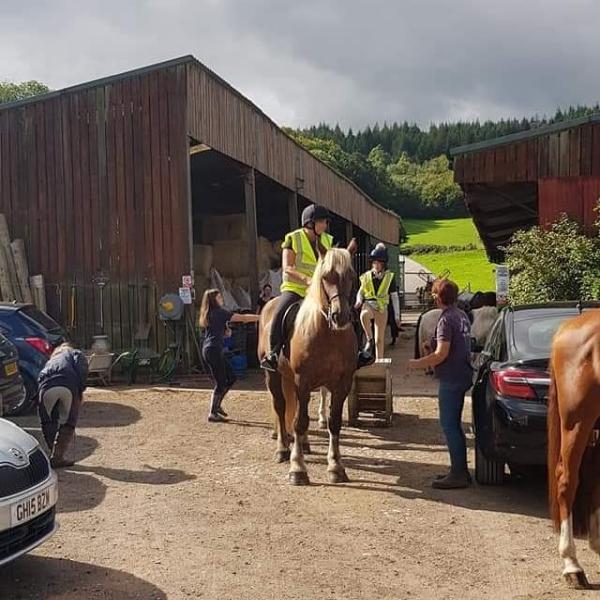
column 349, row 232
column 250, row 197
column 293, row 210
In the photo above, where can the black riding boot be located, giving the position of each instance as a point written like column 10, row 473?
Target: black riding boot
column 366, row 356
column 49, row 431
column 270, row 361
column 214, row 416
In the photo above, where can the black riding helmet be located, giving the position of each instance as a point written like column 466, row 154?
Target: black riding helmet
column 379, row 253
column 313, row 213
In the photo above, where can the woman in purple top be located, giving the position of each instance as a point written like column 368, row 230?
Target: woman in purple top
column 214, row 319
column 451, row 360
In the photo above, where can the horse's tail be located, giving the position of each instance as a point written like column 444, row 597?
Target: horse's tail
column 553, row 424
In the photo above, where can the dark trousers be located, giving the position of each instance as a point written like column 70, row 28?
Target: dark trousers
column 283, row 303
column 451, row 397
column 220, row 369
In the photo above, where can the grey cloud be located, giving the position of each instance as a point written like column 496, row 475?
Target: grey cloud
column 345, row 61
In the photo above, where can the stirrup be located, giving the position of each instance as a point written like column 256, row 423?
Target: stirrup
column 270, row 362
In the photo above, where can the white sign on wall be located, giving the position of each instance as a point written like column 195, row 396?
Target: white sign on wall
column 502, row 280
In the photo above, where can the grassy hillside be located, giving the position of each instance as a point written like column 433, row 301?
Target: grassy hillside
column 451, row 232
column 466, row 266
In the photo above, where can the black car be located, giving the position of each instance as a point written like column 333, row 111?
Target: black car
column 12, row 390
column 511, row 388
column 35, row 335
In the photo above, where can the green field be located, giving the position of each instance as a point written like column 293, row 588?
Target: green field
column 468, row 267
column 451, row 232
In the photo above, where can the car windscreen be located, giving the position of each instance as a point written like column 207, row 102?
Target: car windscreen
column 40, row 317
column 533, row 331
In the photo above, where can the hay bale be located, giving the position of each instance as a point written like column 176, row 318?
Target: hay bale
column 230, row 258
column 203, row 259
column 224, row 227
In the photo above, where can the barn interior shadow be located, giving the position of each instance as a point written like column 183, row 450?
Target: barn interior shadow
column 36, row 577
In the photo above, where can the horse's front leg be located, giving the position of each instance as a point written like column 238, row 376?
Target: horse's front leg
column 298, row 474
column 323, row 409
column 274, row 385
column 335, row 469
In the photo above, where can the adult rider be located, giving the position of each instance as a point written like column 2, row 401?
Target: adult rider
column 299, row 261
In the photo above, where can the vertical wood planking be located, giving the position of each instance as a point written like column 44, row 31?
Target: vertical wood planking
column 564, row 154
column 574, row 152
column 586, row 150
column 595, row 162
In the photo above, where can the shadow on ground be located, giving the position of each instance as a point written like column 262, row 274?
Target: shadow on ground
column 36, row 577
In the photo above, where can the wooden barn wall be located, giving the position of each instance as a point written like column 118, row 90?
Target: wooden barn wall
column 223, row 120
column 94, row 180
column 569, row 153
column 576, row 196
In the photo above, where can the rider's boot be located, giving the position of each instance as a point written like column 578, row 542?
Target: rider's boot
column 270, row 361
column 366, row 356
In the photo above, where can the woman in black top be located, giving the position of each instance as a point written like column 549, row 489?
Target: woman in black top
column 214, row 319
column 265, row 296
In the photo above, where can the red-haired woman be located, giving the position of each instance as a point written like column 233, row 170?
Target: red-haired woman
column 451, row 360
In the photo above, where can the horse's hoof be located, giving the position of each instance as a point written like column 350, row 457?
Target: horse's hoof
column 322, row 424
column 299, row 478
column 282, row 456
column 577, row 581
column 337, row 476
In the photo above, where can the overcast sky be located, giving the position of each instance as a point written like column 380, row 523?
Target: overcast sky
column 339, row 61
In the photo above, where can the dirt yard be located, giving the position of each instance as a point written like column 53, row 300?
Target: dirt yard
column 164, row 505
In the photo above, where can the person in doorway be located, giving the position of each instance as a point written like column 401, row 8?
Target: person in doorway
column 451, row 360
column 61, row 384
column 214, row 319
column 377, row 287
column 265, row 296
column 299, row 260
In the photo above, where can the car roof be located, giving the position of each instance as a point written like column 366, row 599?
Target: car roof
column 558, row 304
column 13, row 306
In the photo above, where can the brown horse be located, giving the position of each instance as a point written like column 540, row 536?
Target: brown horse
column 322, row 352
column 573, row 450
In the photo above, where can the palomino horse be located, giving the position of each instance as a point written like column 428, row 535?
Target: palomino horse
column 322, row 352
column 573, row 450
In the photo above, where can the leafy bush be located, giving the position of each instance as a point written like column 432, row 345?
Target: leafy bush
column 556, row 264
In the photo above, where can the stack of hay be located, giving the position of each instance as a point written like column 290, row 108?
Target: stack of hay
column 226, row 249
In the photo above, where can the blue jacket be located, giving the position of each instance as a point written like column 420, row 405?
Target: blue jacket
column 66, row 369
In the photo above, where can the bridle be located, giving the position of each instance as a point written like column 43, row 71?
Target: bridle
column 328, row 315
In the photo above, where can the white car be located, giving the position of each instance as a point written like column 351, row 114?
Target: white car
column 28, row 493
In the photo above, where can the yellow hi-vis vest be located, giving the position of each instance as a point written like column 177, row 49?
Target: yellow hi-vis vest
column 306, row 260
column 382, row 297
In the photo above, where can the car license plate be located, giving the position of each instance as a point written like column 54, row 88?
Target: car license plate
column 10, row 369
column 32, row 506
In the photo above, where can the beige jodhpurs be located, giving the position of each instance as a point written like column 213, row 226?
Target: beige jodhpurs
column 369, row 314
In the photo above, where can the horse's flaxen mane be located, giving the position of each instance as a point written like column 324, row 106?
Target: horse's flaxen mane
column 337, row 260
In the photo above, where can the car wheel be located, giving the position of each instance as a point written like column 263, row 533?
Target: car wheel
column 17, row 406
column 31, row 389
column 487, row 472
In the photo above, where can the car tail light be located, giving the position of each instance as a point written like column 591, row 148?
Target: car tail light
column 40, row 344
column 514, row 383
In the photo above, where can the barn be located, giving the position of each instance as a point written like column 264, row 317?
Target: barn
column 530, row 178
column 133, row 181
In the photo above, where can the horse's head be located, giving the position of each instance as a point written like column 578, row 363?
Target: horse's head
column 335, row 277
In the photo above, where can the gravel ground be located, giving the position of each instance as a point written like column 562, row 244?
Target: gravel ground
column 164, row 505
